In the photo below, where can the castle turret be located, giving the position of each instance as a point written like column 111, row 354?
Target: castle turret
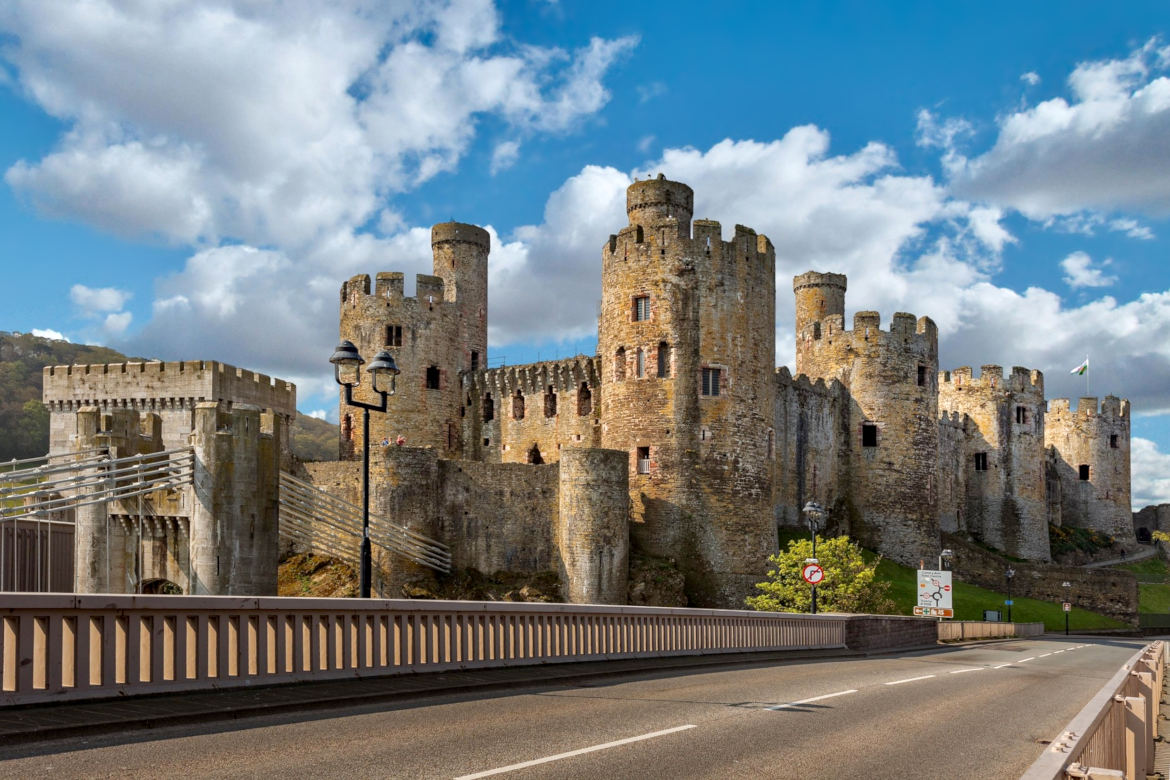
column 434, row 336
column 1089, row 464
column 1002, row 457
column 687, row 342
column 888, row 496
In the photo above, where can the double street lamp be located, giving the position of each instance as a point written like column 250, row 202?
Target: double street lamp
column 347, row 365
column 814, row 513
column 1008, row 575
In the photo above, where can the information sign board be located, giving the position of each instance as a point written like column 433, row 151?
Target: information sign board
column 934, row 594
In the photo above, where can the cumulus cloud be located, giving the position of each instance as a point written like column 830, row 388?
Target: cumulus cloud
column 96, row 300
column 46, row 333
column 1105, row 147
column 1031, row 78
column 238, row 126
column 317, row 414
column 1151, row 473
column 1079, row 272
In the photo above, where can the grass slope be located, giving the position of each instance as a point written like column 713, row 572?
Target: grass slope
column 971, row 600
column 1153, row 576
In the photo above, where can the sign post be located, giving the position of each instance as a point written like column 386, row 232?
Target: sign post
column 935, row 598
column 813, row 574
column 1067, row 609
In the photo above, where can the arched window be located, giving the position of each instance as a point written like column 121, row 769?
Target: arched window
column 663, row 359
column 534, row 455
column 619, row 364
column 584, row 400
column 518, row 405
column 489, row 408
column 640, row 363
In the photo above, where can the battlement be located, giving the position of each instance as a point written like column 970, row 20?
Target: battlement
column 532, row 378
column 163, row 384
column 803, row 383
column 1111, row 407
column 867, row 328
column 430, row 290
column 654, row 201
column 460, row 232
column 991, row 377
column 953, row 420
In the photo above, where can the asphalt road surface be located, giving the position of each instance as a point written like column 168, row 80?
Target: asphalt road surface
column 982, row 711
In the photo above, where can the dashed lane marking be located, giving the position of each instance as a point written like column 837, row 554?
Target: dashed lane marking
column 910, row 679
column 972, row 669
column 571, row 753
column 1033, row 658
column 811, row 700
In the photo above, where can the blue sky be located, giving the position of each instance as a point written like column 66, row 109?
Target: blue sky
column 194, row 180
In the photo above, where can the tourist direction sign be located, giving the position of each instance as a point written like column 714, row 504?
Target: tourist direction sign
column 934, row 594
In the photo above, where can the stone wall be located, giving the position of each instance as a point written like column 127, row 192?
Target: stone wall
column 535, row 410
column 1152, row 518
column 809, row 443
column 1109, row 591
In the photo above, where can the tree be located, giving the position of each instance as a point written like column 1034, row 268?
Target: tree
column 1160, row 536
column 850, row 584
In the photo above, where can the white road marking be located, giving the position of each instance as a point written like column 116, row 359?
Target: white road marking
column 1033, row 658
column 1044, row 656
column 972, row 669
column 810, row 701
column 571, row 753
column 910, row 679
column 1000, row 666
column 1058, row 652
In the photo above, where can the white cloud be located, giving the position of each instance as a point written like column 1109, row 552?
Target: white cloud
column 46, row 333
column 115, row 324
column 1079, row 272
column 1106, row 148
column 504, row 156
column 1031, row 78
column 1131, row 228
column 645, row 142
column 273, row 125
column 317, row 414
column 1151, row 473
column 96, row 300
column 647, row 92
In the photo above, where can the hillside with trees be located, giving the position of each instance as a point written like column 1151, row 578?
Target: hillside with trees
column 24, row 420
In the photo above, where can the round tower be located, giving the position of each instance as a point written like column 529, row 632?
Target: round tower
column 593, row 528
column 687, row 348
column 654, row 201
column 820, row 300
column 460, row 254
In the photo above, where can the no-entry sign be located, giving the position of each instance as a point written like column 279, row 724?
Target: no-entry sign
column 812, row 573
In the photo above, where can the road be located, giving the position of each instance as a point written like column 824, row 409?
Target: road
column 979, row 711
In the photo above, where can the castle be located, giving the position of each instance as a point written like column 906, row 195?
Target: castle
column 682, row 411
column 679, row 441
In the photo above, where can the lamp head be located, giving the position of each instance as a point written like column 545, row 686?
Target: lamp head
column 380, row 367
column 346, row 358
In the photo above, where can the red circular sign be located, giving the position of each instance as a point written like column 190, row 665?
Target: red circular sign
column 813, row 574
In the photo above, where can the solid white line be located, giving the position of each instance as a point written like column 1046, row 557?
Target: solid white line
column 1033, row 658
column 810, row 701
column 973, row 669
column 571, row 753
column 910, row 679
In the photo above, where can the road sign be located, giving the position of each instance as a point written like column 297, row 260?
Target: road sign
column 934, row 594
column 1007, row 602
column 813, row 574
column 1068, row 606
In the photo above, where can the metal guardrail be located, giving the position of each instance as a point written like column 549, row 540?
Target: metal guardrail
column 955, row 630
column 1113, row 736
column 69, row 647
column 310, row 515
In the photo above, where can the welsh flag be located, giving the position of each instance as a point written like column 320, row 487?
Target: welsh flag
column 1081, row 369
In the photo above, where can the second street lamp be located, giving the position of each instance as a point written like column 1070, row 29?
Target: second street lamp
column 347, row 365
column 1008, row 575
column 814, row 513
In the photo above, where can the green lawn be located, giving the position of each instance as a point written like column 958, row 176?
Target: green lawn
column 1150, row 570
column 970, row 600
column 1154, row 599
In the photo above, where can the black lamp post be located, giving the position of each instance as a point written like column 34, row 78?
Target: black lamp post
column 814, row 513
column 346, row 358
column 1009, row 574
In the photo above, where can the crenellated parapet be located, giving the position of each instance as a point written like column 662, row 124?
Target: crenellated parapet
column 804, row 384
column 1111, row 408
column 532, row 378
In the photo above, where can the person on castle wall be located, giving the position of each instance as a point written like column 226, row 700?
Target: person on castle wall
column 386, row 442
column 400, row 440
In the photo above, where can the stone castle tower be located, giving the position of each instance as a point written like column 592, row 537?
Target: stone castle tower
column 686, row 345
column 1002, row 458
column 435, row 336
column 887, row 493
column 1088, row 464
